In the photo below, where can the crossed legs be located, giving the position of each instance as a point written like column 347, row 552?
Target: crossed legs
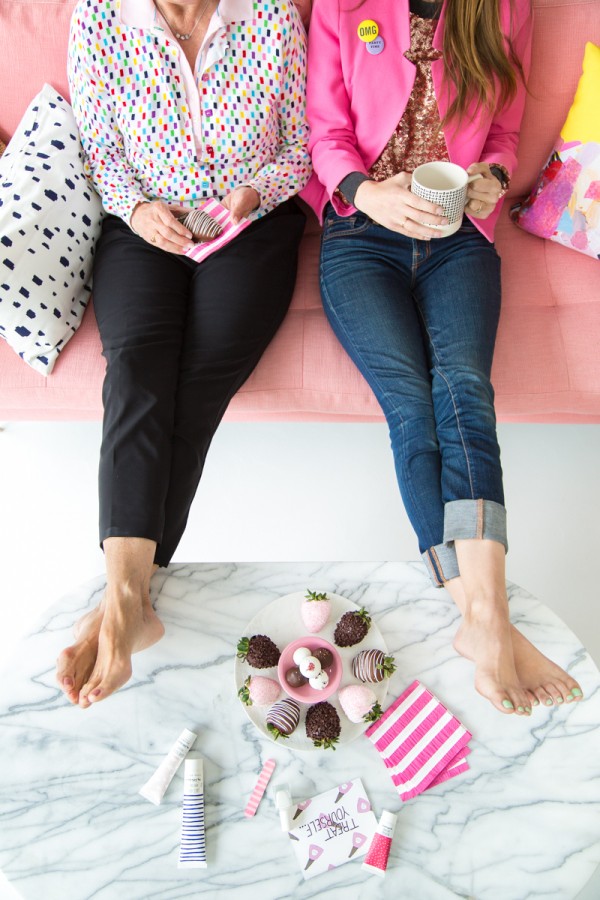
column 179, row 340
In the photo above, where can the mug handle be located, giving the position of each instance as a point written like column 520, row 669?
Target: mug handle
column 474, row 177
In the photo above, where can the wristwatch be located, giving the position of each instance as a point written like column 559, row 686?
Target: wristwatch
column 502, row 175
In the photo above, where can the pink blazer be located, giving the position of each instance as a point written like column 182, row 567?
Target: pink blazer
column 356, row 99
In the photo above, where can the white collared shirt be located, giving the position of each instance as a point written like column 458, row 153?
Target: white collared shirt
column 153, row 128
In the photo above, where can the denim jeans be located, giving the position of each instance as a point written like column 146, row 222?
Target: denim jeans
column 419, row 319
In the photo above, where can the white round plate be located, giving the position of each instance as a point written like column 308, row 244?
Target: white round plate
column 282, row 622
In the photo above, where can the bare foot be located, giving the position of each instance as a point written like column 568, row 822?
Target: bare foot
column 484, row 637
column 545, row 681
column 100, row 660
column 76, row 662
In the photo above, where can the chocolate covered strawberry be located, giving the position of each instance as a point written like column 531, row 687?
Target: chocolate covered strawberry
column 352, row 628
column 259, row 690
column 359, row 703
column 259, row 651
column 323, row 725
column 373, row 666
column 283, row 718
column 315, row 611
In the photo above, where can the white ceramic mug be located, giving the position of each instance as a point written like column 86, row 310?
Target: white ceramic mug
column 444, row 183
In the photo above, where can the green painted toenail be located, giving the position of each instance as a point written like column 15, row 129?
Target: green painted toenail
column 577, row 692
column 507, row 704
column 559, row 700
column 527, row 709
column 549, row 702
column 536, row 702
column 520, row 709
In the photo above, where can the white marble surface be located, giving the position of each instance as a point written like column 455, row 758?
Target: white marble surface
column 524, row 822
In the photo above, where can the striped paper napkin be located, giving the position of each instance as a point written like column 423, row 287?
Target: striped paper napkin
column 218, row 212
column 420, row 741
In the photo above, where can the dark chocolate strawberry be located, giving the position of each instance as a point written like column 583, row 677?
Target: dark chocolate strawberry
column 323, row 725
column 259, row 651
column 352, row 628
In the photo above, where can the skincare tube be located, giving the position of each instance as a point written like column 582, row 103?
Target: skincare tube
column 155, row 787
column 378, row 853
column 192, row 853
column 283, row 802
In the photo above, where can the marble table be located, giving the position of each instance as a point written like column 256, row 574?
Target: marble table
column 523, row 822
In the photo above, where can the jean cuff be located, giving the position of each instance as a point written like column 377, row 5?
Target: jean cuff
column 475, row 519
column 441, row 563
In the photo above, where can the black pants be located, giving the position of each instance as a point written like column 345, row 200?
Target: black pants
column 179, row 339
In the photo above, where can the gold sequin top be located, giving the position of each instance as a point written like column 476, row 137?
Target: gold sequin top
column 418, row 137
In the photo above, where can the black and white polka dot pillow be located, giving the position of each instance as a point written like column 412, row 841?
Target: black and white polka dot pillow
column 49, row 221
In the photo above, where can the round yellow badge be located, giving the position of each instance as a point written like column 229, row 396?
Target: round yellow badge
column 367, row 30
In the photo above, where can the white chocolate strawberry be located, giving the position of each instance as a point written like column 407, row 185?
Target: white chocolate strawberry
column 315, row 611
column 259, row 690
column 359, row 703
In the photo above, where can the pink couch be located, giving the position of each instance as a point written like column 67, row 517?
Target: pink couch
column 547, row 364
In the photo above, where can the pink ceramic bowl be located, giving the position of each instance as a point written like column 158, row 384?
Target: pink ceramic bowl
column 306, row 694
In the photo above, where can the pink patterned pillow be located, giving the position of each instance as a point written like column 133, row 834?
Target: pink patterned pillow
column 564, row 205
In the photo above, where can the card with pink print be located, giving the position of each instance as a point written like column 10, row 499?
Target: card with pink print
column 332, row 828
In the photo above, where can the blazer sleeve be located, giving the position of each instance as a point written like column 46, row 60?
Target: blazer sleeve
column 332, row 144
column 503, row 137
column 290, row 169
column 105, row 159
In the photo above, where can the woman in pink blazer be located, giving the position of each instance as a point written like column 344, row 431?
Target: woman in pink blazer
column 392, row 86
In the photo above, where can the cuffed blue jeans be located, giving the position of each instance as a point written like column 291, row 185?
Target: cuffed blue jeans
column 419, row 319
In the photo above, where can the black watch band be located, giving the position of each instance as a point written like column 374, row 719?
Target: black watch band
column 500, row 173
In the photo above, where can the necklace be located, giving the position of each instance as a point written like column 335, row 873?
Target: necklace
column 183, row 37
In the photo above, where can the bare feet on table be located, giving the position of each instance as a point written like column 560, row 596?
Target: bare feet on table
column 542, row 681
column 484, row 637
column 99, row 662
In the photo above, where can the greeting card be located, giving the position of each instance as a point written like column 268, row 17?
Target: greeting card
column 332, row 828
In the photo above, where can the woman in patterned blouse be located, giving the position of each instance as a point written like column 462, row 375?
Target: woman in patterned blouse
column 392, row 86
column 177, row 103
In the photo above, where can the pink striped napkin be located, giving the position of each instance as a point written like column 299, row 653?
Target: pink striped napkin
column 218, row 212
column 420, row 741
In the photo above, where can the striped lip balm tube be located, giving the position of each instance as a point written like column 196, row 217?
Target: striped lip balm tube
column 192, row 853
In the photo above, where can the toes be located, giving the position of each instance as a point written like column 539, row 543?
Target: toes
column 570, row 690
column 533, row 700
column 559, row 692
column 66, row 673
column 101, row 686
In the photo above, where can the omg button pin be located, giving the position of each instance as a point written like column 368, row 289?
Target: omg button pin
column 367, row 30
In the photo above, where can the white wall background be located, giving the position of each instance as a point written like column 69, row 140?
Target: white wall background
column 297, row 492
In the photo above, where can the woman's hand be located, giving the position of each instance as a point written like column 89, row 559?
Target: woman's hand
column 391, row 204
column 484, row 193
column 240, row 203
column 155, row 222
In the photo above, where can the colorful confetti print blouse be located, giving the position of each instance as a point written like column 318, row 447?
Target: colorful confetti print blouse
column 151, row 128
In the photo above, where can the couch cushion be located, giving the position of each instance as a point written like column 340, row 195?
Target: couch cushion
column 49, row 221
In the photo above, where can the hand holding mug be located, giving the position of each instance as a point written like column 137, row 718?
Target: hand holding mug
column 392, row 204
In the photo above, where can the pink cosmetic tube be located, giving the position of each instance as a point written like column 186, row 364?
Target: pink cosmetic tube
column 378, row 853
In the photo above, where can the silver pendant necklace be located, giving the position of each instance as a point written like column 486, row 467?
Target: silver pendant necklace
column 183, row 37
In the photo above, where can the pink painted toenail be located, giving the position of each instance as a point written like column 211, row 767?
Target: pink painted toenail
column 96, row 693
column 68, row 682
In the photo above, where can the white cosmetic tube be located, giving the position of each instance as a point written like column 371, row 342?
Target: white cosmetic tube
column 192, row 852
column 283, row 802
column 155, row 787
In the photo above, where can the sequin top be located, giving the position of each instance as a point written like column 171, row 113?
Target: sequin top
column 418, row 137
column 151, row 129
